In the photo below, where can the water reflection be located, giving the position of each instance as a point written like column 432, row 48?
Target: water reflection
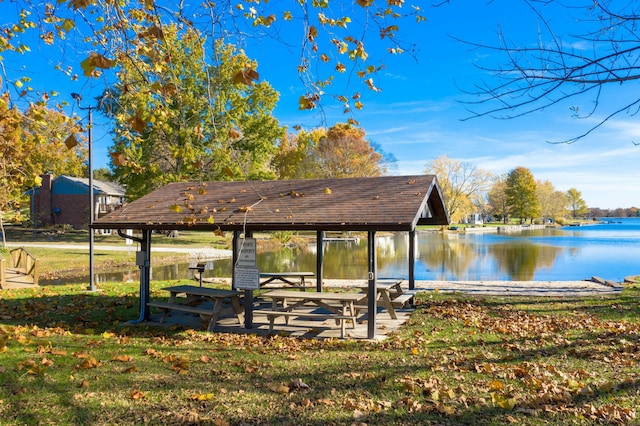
column 550, row 254
column 520, row 261
column 446, row 256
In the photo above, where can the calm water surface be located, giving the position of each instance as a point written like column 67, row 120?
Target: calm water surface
column 609, row 250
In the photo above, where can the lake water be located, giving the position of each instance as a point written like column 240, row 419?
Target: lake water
column 609, row 250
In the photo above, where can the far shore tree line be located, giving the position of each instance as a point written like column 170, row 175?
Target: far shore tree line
column 473, row 194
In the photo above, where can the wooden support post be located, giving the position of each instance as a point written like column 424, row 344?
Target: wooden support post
column 248, row 298
column 319, row 259
column 412, row 259
column 143, row 260
column 373, row 291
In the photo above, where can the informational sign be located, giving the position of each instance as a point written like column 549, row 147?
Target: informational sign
column 246, row 253
column 247, row 278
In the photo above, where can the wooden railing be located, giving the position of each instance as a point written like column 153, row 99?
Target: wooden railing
column 23, row 262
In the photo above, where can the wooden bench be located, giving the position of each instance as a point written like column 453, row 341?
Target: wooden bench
column 179, row 307
column 294, row 279
column 340, row 318
column 403, row 298
column 193, row 303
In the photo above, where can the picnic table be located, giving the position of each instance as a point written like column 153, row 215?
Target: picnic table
column 195, row 301
column 294, row 279
column 390, row 294
column 287, row 303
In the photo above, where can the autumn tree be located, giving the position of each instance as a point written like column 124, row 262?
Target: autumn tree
column 32, row 142
column 337, row 152
column 576, row 204
column 463, row 185
column 294, row 154
column 562, row 69
column 552, row 202
column 184, row 119
column 521, row 192
column 497, row 199
column 344, row 152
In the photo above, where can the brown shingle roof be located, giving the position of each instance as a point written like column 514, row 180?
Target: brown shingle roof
column 389, row 203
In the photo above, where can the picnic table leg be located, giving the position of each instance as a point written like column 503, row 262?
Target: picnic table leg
column 165, row 311
column 217, row 306
column 237, row 308
column 386, row 301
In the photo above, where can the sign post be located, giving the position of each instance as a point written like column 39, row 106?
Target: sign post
column 247, row 276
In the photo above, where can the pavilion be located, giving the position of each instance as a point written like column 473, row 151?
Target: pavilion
column 373, row 204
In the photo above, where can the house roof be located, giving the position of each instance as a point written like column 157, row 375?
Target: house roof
column 100, row 186
column 394, row 203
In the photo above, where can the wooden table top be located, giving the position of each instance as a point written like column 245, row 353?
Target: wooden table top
column 341, row 297
column 286, row 274
column 201, row 291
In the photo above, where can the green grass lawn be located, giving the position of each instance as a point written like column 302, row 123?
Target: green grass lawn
column 68, row 356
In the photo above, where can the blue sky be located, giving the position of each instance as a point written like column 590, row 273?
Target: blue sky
column 418, row 114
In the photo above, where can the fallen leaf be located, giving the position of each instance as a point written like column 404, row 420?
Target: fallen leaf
column 280, row 388
column 136, row 394
column 202, row 397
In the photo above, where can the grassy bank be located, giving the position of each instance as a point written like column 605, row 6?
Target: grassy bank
column 67, row 358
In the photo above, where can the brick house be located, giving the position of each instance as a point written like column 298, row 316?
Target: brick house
column 65, row 200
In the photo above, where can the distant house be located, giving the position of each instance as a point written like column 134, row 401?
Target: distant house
column 65, row 200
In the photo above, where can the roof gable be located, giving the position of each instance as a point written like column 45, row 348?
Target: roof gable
column 393, row 203
column 99, row 186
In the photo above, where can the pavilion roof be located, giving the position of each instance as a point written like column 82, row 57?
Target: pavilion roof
column 387, row 203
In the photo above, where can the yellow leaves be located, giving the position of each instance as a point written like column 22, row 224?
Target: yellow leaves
column 175, row 208
column 137, row 123
column 234, row 134
column 79, row 4
column 265, row 21
column 202, row 397
column 118, row 159
column 279, row 388
column 327, row 191
column 136, row 395
column 388, row 31
column 312, row 33
column 307, row 102
column 95, row 60
column 88, row 363
column 122, row 358
column 47, row 37
column 153, row 32
column 71, row 141
column 371, row 85
column 32, row 367
column 4, row 338
column 496, row 385
column 245, row 76
column 502, row 401
column 68, row 25
column 178, row 364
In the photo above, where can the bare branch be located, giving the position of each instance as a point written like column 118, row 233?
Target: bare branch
column 553, row 72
